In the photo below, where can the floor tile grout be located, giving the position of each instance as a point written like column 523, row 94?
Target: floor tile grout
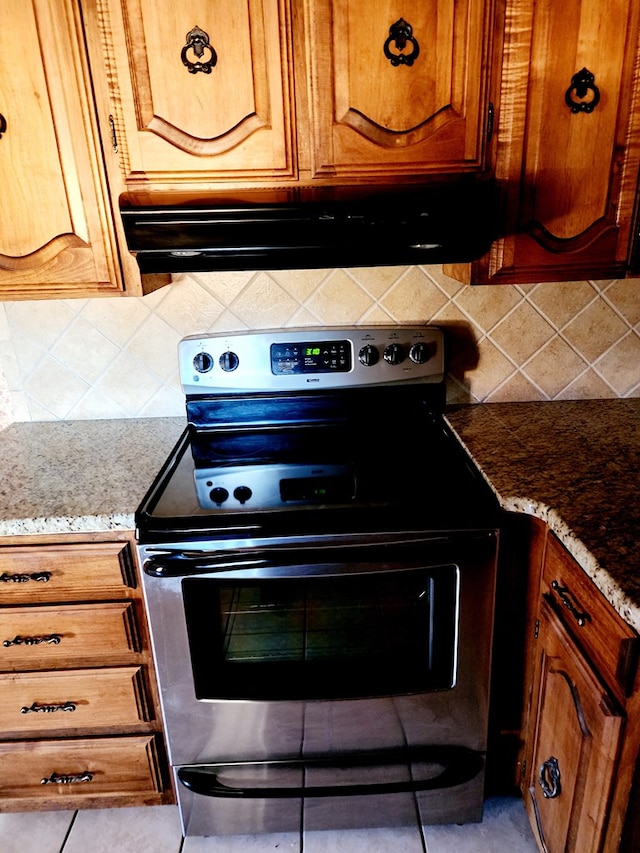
column 504, row 829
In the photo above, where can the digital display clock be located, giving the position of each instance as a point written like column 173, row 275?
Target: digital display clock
column 308, row 357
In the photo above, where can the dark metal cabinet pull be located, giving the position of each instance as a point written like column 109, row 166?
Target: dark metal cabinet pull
column 399, row 34
column 549, row 778
column 25, row 577
column 36, row 708
column 564, row 594
column 3, row 125
column 581, row 84
column 67, row 778
column 197, row 43
column 52, row 639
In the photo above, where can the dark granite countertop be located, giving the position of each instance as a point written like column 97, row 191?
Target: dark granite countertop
column 576, row 465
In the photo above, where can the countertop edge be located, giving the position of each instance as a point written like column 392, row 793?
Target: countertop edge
column 67, row 524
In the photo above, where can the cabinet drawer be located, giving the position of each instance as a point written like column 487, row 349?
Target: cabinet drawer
column 71, row 769
column 38, row 704
column 610, row 643
column 93, row 570
column 53, row 637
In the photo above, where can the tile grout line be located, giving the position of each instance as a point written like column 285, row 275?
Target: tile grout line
column 68, row 833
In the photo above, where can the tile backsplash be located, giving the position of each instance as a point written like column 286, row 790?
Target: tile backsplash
column 116, row 357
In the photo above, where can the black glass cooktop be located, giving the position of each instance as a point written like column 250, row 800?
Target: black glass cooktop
column 386, row 465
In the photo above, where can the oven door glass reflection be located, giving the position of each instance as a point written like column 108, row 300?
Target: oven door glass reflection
column 324, row 637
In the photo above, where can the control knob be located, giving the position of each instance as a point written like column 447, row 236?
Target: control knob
column 419, row 353
column 368, row 355
column 218, row 495
column 229, row 361
column 203, row 362
column 242, row 494
column 394, row 354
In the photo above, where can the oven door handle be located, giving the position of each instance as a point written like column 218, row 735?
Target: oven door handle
column 320, row 558
column 457, row 765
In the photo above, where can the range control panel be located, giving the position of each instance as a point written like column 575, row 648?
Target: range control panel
column 251, row 487
column 293, row 360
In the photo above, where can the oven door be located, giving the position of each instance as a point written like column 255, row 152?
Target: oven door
column 338, row 676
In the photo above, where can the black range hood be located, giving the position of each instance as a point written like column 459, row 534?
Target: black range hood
column 311, row 229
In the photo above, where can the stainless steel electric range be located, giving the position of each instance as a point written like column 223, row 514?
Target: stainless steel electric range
column 319, row 563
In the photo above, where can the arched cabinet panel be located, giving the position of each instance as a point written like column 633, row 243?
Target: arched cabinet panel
column 55, row 233
column 199, row 89
column 398, row 86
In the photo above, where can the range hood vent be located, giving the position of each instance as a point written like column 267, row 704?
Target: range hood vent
column 311, row 229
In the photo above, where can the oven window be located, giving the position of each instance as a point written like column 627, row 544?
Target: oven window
column 323, row 637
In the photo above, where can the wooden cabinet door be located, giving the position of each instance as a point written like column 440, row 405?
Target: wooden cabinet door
column 568, row 142
column 56, row 237
column 199, row 89
column 576, row 745
column 397, row 88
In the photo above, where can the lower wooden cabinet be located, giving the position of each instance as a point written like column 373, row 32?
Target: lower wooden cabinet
column 80, row 723
column 576, row 745
column 72, row 773
column 36, row 704
column 581, row 739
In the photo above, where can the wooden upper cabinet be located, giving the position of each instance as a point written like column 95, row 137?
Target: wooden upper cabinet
column 198, row 89
column 56, row 236
column 398, row 87
column 258, row 92
column 568, row 141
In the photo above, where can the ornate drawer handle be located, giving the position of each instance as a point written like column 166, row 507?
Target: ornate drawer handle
column 35, row 708
column 25, row 577
column 3, row 125
column 198, row 42
column 581, row 84
column 67, row 779
column 399, row 34
column 53, row 639
column 549, row 778
column 564, row 594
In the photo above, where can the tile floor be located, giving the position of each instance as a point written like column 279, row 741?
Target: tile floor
column 157, row 830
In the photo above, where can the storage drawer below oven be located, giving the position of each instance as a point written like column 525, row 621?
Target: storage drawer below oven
column 76, row 773
column 340, row 792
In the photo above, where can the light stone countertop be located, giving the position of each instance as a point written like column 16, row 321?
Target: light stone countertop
column 575, row 465
column 79, row 476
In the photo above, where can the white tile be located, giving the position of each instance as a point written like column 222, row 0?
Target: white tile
column 155, row 345
column 504, row 829
column 5, row 332
column 95, row 405
column 405, row 839
column 34, row 832
column 41, row 321
column 129, row 384
column 55, row 388
column 117, row 319
column 150, row 829
column 189, row 308
column 85, row 350
column 286, row 842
